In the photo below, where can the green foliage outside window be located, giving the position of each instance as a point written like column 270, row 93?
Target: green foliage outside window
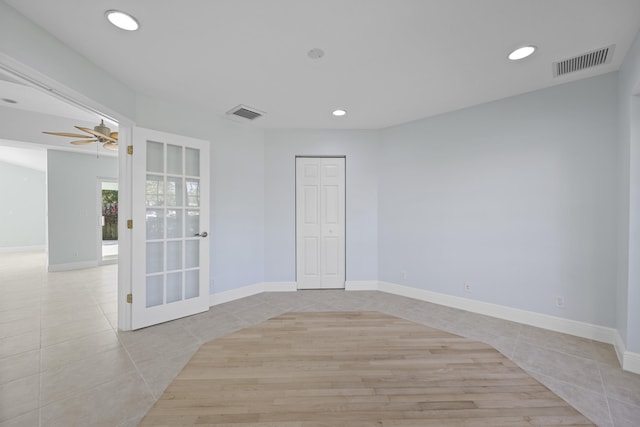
column 110, row 214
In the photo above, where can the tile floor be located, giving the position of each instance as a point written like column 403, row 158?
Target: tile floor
column 63, row 363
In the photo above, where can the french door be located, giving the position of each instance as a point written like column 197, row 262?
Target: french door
column 320, row 222
column 170, row 271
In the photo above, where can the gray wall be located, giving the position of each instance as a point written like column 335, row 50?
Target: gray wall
column 628, row 285
column 73, row 198
column 517, row 197
column 359, row 147
column 22, row 212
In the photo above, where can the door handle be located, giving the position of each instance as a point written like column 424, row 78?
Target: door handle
column 203, row 234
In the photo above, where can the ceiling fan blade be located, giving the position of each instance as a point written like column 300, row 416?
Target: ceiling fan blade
column 84, row 142
column 69, row 134
column 110, row 146
column 114, row 135
column 97, row 134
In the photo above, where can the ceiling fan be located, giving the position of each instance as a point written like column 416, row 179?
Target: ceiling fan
column 100, row 134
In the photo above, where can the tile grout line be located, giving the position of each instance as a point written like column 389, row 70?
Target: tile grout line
column 42, row 285
column 606, row 396
column 135, row 365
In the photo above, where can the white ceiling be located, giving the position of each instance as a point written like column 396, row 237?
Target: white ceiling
column 31, row 99
column 386, row 62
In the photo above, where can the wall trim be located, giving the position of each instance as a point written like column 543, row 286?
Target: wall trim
column 545, row 321
column 249, row 290
column 620, row 348
column 361, row 285
column 234, row 294
column 629, row 361
column 72, row 266
column 280, row 286
column 37, row 248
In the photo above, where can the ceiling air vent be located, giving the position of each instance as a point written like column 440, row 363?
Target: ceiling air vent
column 580, row 62
column 245, row 112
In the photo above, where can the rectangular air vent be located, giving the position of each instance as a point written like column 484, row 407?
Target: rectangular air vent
column 586, row 60
column 245, row 112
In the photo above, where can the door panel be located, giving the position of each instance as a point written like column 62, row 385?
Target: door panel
column 170, row 211
column 320, row 222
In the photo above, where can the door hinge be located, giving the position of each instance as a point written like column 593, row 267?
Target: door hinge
column 129, row 149
column 129, row 223
column 129, row 298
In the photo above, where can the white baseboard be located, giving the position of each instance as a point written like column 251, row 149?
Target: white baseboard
column 629, row 361
column 247, row 291
column 72, row 266
column 234, row 294
column 37, row 248
column 280, row 286
column 620, row 348
column 361, row 285
column 545, row 321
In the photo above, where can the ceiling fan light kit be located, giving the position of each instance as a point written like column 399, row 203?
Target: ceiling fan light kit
column 100, row 134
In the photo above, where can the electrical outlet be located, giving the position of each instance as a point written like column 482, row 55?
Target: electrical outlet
column 560, row 301
column 467, row 287
column 403, row 274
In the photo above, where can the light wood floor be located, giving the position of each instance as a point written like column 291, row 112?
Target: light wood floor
column 354, row 369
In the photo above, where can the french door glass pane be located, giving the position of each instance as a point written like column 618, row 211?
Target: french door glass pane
column 193, row 223
column 193, row 193
column 174, row 159
column 154, row 191
column 192, row 254
column 155, row 224
column 192, row 162
column 155, row 157
column 192, row 285
column 174, row 191
column 155, row 257
column 174, row 287
column 174, row 255
column 174, row 223
column 155, row 293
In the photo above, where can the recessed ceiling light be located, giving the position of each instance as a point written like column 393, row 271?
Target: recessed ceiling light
column 339, row 113
column 9, row 101
column 122, row 20
column 522, row 52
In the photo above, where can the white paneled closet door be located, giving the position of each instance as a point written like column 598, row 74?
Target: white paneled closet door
column 320, row 222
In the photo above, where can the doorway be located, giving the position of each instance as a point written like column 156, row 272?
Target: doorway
column 108, row 221
column 320, row 222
